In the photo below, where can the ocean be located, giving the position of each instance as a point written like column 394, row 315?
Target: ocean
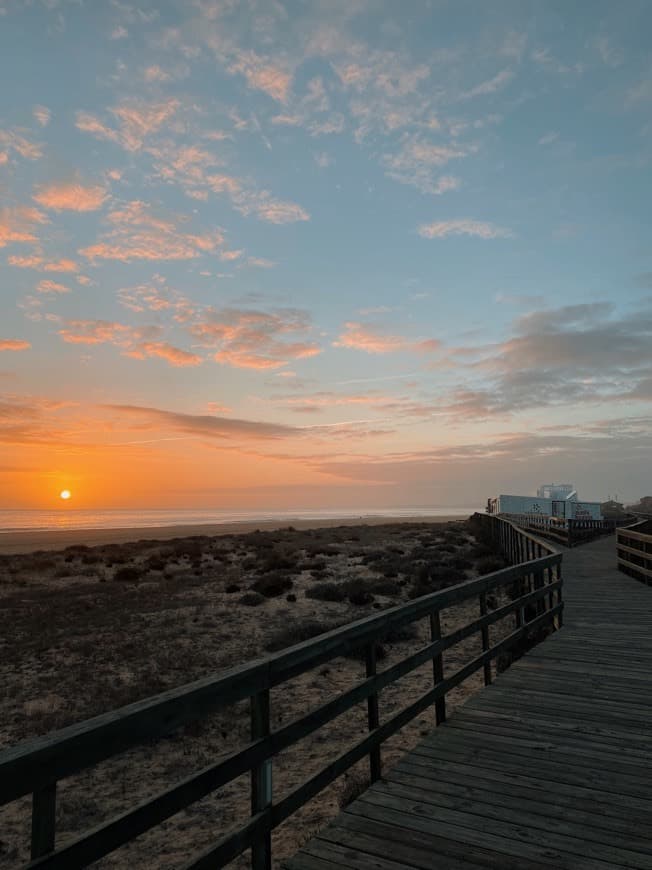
column 39, row 520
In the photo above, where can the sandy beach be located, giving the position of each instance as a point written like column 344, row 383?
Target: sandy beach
column 29, row 541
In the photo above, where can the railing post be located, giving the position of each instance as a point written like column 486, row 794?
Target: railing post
column 485, row 638
column 437, row 667
column 44, row 806
column 372, row 713
column 261, row 780
column 538, row 584
column 560, row 615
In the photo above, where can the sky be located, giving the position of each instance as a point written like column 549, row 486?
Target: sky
column 263, row 255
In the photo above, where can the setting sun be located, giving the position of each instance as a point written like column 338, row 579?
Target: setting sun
column 65, row 494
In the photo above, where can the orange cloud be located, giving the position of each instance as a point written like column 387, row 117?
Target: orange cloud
column 70, row 196
column 37, row 262
column 14, row 344
column 12, row 140
column 93, row 332
column 360, row 337
column 174, row 355
column 141, row 235
column 18, row 224
column 263, row 75
column 48, row 286
column 247, row 338
column 136, row 121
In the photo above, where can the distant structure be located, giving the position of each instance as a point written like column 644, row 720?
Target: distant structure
column 556, row 500
column 556, row 491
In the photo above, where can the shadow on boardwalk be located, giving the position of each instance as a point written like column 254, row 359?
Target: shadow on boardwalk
column 551, row 766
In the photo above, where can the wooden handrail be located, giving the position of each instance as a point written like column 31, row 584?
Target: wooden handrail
column 35, row 766
column 634, row 550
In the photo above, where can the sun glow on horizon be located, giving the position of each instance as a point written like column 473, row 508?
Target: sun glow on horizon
column 65, row 494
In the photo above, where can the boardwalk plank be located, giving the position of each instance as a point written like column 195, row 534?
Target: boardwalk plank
column 550, row 766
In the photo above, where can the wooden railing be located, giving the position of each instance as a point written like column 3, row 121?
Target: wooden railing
column 568, row 532
column 533, row 583
column 634, row 548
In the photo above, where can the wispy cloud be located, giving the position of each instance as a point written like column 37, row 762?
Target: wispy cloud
column 174, row 355
column 14, row 141
column 140, row 234
column 248, row 338
column 202, row 425
column 263, row 74
column 490, row 86
column 70, row 196
column 418, row 161
column 42, row 115
column 137, row 120
column 38, row 262
column 463, row 227
column 361, row 336
column 14, row 344
column 47, row 286
column 18, row 224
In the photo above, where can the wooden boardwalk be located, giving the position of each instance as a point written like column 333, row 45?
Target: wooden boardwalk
column 551, row 766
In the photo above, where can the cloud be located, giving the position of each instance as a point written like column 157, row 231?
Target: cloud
column 14, row 344
column 94, row 332
column 36, row 261
column 263, row 74
column 490, row 86
column 70, row 196
column 203, row 425
column 361, row 336
column 135, row 342
column 358, row 336
column 18, row 224
column 249, row 338
column 463, row 227
column 13, row 140
column 549, row 138
column 576, row 354
column 42, row 115
column 261, row 262
column 139, row 234
column 417, row 163
column 137, row 120
column 174, row 355
column 267, row 208
column 47, row 286
column 546, row 60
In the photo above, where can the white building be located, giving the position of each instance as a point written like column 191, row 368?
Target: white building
column 552, row 500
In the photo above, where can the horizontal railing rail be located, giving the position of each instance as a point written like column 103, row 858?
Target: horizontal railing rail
column 569, row 532
column 634, row 550
column 534, row 583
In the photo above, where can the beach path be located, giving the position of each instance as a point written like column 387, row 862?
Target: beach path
column 550, row 766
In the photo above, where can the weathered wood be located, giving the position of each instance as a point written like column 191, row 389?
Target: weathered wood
column 437, row 667
column 261, row 781
column 44, row 808
column 551, row 765
column 373, row 719
column 485, row 637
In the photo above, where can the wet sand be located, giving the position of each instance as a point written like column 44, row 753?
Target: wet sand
column 29, row 541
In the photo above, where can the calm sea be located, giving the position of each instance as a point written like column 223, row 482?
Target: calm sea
column 129, row 519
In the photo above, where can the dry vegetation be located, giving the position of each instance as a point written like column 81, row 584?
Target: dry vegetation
column 90, row 629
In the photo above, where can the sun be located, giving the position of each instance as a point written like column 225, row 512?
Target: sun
column 65, row 494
